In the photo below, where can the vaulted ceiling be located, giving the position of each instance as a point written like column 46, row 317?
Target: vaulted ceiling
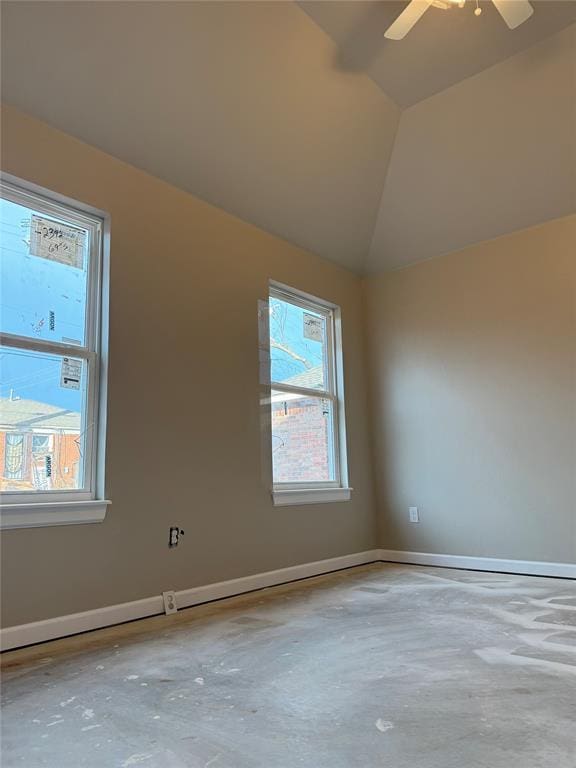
column 443, row 48
column 304, row 120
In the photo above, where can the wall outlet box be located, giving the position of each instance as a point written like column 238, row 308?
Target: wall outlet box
column 174, row 536
column 169, row 602
column 413, row 513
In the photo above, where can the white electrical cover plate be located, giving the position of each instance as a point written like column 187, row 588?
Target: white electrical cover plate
column 169, row 602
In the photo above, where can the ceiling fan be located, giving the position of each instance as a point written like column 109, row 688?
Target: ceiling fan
column 514, row 13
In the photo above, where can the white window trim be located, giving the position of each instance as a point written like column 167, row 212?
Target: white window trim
column 88, row 505
column 285, row 498
column 42, row 514
column 287, row 494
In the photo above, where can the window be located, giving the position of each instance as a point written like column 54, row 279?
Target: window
column 307, row 408
column 51, row 381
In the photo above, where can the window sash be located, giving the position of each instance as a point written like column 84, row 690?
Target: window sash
column 82, row 220
column 89, row 351
column 50, row 347
column 328, row 314
column 304, row 391
column 331, row 393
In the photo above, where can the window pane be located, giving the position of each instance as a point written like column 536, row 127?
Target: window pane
column 41, row 435
column 298, row 349
column 302, row 439
column 43, row 275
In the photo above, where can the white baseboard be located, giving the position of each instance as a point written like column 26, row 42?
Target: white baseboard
column 525, row 567
column 63, row 626
column 74, row 623
column 198, row 595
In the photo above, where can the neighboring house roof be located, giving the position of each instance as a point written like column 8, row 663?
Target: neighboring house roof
column 18, row 414
column 313, row 378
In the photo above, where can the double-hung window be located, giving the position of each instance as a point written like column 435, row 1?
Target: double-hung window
column 306, row 394
column 51, row 367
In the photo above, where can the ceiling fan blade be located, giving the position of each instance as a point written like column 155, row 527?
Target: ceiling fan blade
column 514, row 12
column 409, row 16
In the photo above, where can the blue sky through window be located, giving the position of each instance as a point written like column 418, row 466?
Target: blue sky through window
column 39, row 298
column 292, row 353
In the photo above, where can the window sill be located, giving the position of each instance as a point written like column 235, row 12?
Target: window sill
column 38, row 515
column 310, row 496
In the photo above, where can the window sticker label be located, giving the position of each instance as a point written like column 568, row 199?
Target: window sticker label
column 70, row 373
column 57, row 242
column 313, row 327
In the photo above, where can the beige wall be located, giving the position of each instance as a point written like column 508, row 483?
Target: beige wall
column 472, row 413
column 179, row 268
column 474, row 398
column 238, row 103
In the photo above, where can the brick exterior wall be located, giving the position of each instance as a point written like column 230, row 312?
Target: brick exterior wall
column 64, row 457
column 300, row 441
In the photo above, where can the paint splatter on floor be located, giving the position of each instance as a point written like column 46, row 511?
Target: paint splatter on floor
column 399, row 665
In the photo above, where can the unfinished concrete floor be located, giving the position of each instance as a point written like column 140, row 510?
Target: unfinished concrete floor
column 386, row 665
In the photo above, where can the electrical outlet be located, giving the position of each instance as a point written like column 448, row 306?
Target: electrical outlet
column 413, row 513
column 169, row 602
column 174, row 536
